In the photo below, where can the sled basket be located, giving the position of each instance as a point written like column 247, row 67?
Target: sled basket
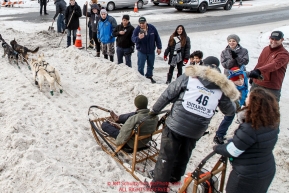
column 134, row 156
column 205, row 181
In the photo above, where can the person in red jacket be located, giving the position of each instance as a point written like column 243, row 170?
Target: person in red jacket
column 272, row 65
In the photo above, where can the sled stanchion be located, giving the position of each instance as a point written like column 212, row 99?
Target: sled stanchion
column 220, row 167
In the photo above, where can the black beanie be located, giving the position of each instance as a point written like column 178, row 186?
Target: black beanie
column 141, row 102
column 125, row 17
column 212, row 61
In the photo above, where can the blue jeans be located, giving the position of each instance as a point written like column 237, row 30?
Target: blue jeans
column 69, row 32
column 141, row 59
column 224, row 126
column 60, row 23
column 121, row 53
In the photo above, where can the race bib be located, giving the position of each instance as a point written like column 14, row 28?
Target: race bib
column 200, row 100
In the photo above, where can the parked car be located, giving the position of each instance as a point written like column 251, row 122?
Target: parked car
column 113, row 4
column 202, row 5
column 169, row 2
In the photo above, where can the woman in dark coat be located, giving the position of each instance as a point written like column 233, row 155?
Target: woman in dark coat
column 94, row 17
column 72, row 15
column 178, row 50
column 251, row 149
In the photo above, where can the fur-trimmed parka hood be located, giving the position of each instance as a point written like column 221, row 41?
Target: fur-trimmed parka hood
column 211, row 78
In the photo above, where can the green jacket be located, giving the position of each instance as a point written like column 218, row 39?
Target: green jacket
column 148, row 127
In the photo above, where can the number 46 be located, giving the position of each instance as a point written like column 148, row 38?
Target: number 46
column 203, row 100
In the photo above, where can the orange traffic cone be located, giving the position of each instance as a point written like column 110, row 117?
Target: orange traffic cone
column 135, row 9
column 78, row 41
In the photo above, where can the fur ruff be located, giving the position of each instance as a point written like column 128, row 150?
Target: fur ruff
column 212, row 75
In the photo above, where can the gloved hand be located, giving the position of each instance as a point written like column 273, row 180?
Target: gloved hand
column 238, row 107
column 185, row 61
column 165, row 58
column 152, row 113
column 256, row 74
column 234, row 54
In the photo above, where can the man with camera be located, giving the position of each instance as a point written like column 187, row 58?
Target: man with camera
column 124, row 45
column 146, row 38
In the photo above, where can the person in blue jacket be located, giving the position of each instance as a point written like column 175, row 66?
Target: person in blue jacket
column 105, row 28
column 240, row 79
column 146, row 38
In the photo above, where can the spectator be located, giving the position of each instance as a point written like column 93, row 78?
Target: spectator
column 124, row 45
column 146, row 38
column 240, row 79
column 105, row 28
column 272, row 64
column 129, row 121
column 72, row 13
column 60, row 12
column 196, row 58
column 195, row 96
column 234, row 54
column 178, row 50
column 43, row 3
column 93, row 20
column 251, row 149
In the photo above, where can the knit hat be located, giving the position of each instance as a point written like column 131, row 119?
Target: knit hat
column 103, row 11
column 235, row 74
column 141, row 102
column 94, row 6
column 212, row 61
column 233, row 36
column 125, row 17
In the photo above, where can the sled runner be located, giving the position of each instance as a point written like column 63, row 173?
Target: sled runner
column 205, row 181
column 132, row 156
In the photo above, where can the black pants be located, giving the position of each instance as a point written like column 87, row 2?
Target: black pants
column 180, row 68
column 173, row 158
column 239, row 184
column 43, row 4
column 97, row 44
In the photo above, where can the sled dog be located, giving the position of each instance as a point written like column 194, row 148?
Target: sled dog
column 12, row 55
column 41, row 70
column 22, row 50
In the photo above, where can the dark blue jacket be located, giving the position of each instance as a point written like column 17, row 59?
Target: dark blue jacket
column 257, row 160
column 148, row 44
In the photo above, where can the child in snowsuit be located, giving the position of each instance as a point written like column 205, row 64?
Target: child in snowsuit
column 240, row 79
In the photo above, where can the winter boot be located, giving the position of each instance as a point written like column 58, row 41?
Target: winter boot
column 169, row 79
column 97, row 54
column 68, row 41
column 111, row 58
column 106, row 56
column 74, row 38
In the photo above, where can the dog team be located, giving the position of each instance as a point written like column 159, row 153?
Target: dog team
column 41, row 69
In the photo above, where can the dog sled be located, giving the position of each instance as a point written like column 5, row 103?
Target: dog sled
column 128, row 158
column 204, row 181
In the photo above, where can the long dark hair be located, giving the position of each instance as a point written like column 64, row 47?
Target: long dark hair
column 263, row 109
column 183, row 36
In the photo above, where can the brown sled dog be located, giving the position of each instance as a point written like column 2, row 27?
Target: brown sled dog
column 22, row 50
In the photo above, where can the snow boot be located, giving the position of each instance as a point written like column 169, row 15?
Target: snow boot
column 106, row 56
column 97, row 54
column 111, row 58
column 169, row 79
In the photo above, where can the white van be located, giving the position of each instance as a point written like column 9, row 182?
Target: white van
column 202, row 5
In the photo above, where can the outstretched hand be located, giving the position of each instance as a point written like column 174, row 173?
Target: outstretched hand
column 256, row 74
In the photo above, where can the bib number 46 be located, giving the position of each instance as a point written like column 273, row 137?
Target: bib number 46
column 203, row 100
